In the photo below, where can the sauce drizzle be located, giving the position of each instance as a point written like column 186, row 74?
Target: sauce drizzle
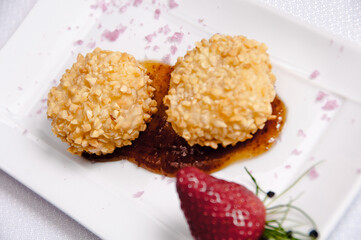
column 159, row 149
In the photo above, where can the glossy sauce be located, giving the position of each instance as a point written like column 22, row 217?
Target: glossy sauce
column 161, row 150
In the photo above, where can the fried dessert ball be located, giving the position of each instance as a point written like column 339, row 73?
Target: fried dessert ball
column 221, row 91
column 102, row 102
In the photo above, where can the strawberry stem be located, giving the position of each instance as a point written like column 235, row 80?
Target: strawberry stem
column 274, row 228
column 279, row 233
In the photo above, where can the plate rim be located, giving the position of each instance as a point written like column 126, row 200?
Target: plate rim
column 350, row 197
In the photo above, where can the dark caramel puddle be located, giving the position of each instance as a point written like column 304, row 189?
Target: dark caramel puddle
column 161, row 150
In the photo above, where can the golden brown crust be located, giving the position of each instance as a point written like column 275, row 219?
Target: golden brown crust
column 221, row 91
column 101, row 103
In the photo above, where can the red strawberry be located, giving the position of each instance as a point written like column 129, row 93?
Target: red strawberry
column 217, row 209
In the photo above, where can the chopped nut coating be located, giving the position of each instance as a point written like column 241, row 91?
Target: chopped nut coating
column 221, row 91
column 102, row 102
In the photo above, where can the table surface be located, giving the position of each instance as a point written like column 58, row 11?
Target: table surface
column 25, row 215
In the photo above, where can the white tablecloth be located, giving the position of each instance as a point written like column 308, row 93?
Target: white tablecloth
column 25, row 215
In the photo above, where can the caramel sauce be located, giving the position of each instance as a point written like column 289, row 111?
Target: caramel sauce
column 161, row 150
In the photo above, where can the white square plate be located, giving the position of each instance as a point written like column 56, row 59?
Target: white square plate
column 317, row 78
